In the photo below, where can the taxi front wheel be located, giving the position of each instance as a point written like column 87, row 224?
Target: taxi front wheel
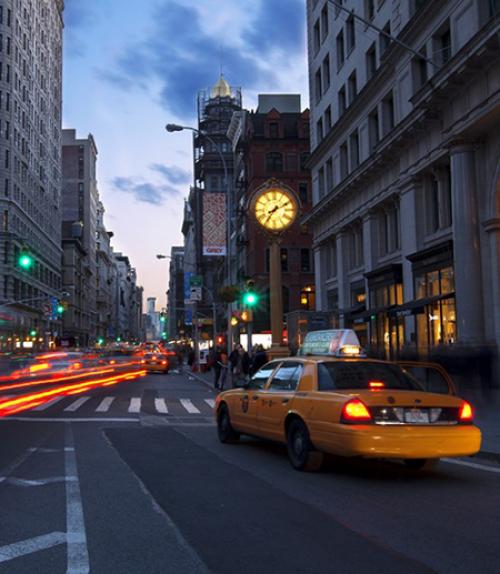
column 225, row 429
column 300, row 450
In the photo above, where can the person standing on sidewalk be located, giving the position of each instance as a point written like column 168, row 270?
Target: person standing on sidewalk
column 216, row 363
column 239, row 360
column 224, row 364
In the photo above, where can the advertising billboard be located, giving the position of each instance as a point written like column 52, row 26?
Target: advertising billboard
column 214, row 224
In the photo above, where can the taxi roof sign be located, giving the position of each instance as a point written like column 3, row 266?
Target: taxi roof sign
column 333, row 342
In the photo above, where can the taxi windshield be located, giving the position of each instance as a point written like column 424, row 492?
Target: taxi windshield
column 336, row 375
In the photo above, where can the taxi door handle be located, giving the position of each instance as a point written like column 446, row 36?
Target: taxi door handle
column 284, row 401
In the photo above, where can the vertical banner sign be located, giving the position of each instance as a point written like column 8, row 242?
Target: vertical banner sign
column 188, row 317
column 187, row 287
column 214, row 224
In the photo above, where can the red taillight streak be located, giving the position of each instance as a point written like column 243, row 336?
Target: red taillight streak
column 356, row 411
column 28, row 401
column 465, row 414
column 53, row 379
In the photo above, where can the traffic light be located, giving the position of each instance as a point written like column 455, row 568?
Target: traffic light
column 25, row 260
column 60, row 308
column 163, row 318
column 247, row 315
column 234, row 321
column 250, row 297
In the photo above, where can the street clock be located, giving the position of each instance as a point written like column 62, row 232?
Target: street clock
column 275, row 208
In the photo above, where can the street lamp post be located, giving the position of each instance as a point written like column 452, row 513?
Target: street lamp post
column 178, row 128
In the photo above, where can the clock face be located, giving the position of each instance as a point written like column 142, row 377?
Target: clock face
column 275, row 209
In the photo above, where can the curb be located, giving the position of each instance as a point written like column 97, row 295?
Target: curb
column 198, row 378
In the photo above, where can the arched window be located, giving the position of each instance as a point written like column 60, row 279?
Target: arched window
column 274, row 161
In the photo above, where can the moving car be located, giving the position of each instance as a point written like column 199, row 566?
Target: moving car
column 332, row 399
column 155, row 363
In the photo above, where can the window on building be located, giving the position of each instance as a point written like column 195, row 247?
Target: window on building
column 326, row 73
column 354, row 149
column 304, row 158
column 328, row 119
column 388, row 119
column 274, row 130
column 342, row 100
column 274, row 161
column 319, row 130
column 305, row 260
column 329, row 174
column 369, row 9
column 308, row 297
column 355, row 245
column 316, row 37
column 352, row 84
column 371, row 61
column 324, row 22
column 419, row 70
column 304, row 192
column 350, row 34
column 384, row 39
column 438, row 200
column 373, row 129
column 389, row 233
column 340, row 50
column 284, row 259
column 318, row 85
column 331, row 259
column 441, row 44
column 344, row 161
column 321, row 182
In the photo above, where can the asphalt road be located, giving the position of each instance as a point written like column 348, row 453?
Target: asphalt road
column 133, row 480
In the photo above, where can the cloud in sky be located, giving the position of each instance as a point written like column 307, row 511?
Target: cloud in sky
column 181, row 55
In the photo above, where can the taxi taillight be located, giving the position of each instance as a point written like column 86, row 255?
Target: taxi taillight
column 355, row 411
column 465, row 414
column 164, row 362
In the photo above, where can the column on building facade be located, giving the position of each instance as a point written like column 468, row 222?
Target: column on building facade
column 320, row 277
column 408, row 211
column 466, row 246
column 342, row 278
column 492, row 227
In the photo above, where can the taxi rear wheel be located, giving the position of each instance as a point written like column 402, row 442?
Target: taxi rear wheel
column 225, row 429
column 301, row 453
column 421, row 463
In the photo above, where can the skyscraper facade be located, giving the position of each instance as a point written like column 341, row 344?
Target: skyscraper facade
column 30, row 162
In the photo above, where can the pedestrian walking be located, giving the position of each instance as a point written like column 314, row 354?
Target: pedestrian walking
column 216, row 362
column 260, row 358
column 224, row 363
column 239, row 360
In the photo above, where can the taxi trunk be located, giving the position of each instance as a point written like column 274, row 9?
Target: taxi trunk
column 405, row 424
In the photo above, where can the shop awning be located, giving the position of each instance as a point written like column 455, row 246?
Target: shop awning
column 417, row 307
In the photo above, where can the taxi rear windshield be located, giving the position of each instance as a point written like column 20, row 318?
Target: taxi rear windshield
column 342, row 376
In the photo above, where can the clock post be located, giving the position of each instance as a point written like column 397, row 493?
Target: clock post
column 275, row 207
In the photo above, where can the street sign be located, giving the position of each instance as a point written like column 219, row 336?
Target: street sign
column 195, row 293
column 47, row 309
column 188, row 317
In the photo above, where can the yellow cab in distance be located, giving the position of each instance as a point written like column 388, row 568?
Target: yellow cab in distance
column 332, row 399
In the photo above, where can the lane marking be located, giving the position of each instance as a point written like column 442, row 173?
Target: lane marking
column 36, row 482
column 161, row 406
column 70, row 420
column 104, row 405
column 210, row 402
column 76, row 537
column 77, row 404
column 31, row 545
column 48, row 404
column 16, row 463
column 135, row 405
column 188, row 405
column 472, row 465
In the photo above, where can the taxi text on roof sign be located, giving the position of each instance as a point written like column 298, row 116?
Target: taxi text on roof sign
column 333, row 342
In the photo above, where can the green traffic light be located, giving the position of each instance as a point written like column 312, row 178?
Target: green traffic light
column 25, row 261
column 60, row 309
column 162, row 319
column 250, row 299
column 33, row 333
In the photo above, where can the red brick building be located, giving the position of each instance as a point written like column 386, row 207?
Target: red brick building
column 272, row 143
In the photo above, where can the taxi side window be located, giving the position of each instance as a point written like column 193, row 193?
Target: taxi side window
column 259, row 380
column 287, row 377
column 325, row 379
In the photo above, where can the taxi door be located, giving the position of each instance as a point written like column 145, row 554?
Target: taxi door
column 274, row 401
column 244, row 409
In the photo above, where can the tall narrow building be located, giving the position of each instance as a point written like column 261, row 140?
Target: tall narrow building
column 30, row 165
column 80, row 201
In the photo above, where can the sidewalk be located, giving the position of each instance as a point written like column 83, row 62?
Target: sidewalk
column 486, row 406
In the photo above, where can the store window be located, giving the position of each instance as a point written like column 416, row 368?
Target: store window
column 308, row 298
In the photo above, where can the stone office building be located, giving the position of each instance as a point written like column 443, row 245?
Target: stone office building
column 30, row 162
column 406, row 171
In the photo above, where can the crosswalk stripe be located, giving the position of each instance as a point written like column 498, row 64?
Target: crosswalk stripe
column 188, row 405
column 48, row 404
column 161, row 406
column 77, row 404
column 135, row 405
column 104, row 405
column 210, row 403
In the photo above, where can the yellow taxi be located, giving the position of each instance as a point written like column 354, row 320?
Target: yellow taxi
column 332, row 399
column 155, row 363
